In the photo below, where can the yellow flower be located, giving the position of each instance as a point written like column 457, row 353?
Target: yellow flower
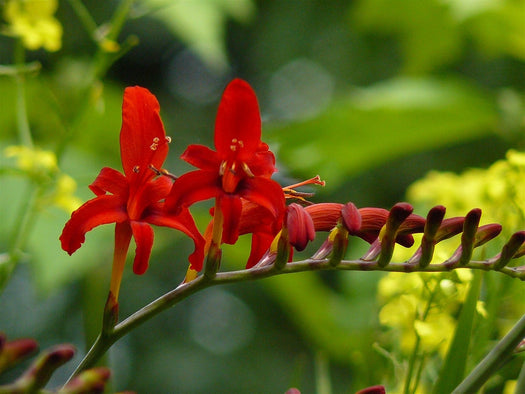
column 33, row 22
column 499, row 191
column 41, row 166
column 32, row 160
column 64, row 194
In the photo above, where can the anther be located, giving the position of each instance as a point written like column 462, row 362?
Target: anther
column 136, row 169
column 222, row 168
column 162, row 172
column 154, row 146
column 156, row 140
column 168, row 139
column 247, row 170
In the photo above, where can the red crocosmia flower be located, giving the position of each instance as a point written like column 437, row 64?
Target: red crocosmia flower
column 239, row 168
column 134, row 200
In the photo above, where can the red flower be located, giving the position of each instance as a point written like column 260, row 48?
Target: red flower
column 240, row 167
column 133, row 201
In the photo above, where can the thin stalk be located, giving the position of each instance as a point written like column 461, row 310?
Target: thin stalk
column 85, row 17
column 415, row 353
column 493, row 360
column 520, row 384
column 168, row 300
column 24, row 132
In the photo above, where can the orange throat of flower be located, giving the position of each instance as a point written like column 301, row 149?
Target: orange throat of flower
column 232, row 173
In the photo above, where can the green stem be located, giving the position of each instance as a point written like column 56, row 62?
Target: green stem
column 20, row 233
column 415, row 353
column 24, row 131
column 168, row 300
column 520, row 384
column 493, row 360
column 85, row 18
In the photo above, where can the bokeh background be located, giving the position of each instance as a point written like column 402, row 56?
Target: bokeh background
column 369, row 94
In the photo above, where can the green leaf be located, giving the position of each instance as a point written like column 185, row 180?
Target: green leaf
column 455, row 363
column 386, row 121
column 201, row 23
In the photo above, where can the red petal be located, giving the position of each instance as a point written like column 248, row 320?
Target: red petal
column 238, row 122
column 201, row 157
column 100, row 210
column 325, row 215
column 110, row 181
column 231, row 208
column 192, row 187
column 264, row 192
column 261, row 242
column 182, row 222
column 150, row 193
column 254, row 217
column 142, row 137
column 262, row 164
column 143, row 235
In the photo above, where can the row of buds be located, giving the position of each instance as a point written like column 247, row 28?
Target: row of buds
column 383, row 229
column 40, row 371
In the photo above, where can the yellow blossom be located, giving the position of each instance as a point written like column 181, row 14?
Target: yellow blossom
column 64, row 194
column 32, row 160
column 34, row 23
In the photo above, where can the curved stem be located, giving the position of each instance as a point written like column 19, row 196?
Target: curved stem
column 492, row 361
column 102, row 344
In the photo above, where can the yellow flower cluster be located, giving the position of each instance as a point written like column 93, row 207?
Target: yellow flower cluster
column 41, row 166
column 499, row 191
column 34, row 23
column 421, row 306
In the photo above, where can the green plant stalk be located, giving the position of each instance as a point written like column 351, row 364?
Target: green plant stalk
column 24, row 132
column 27, row 210
column 493, row 360
column 322, row 374
column 101, row 63
column 168, row 300
column 415, row 353
column 520, row 384
column 85, row 17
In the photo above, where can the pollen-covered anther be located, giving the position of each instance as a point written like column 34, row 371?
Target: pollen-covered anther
column 155, row 143
column 247, row 170
column 236, row 143
column 136, row 169
column 168, row 139
column 222, row 168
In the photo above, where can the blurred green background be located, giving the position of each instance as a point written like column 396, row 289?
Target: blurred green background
column 369, row 94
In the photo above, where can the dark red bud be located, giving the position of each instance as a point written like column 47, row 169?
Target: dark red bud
column 351, row 218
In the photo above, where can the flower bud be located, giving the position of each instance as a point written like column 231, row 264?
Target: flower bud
column 14, row 351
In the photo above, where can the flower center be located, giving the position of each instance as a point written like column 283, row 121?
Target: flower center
column 232, row 172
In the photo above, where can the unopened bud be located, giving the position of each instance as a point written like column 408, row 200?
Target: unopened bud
column 40, row 372
column 373, row 390
column 351, row 218
column 486, row 233
column 396, row 217
column 432, row 225
column 14, row 351
column 90, row 381
column 470, row 227
column 510, row 249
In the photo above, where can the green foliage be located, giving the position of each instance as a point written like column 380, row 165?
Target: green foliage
column 384, row 122
column 201, row 24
